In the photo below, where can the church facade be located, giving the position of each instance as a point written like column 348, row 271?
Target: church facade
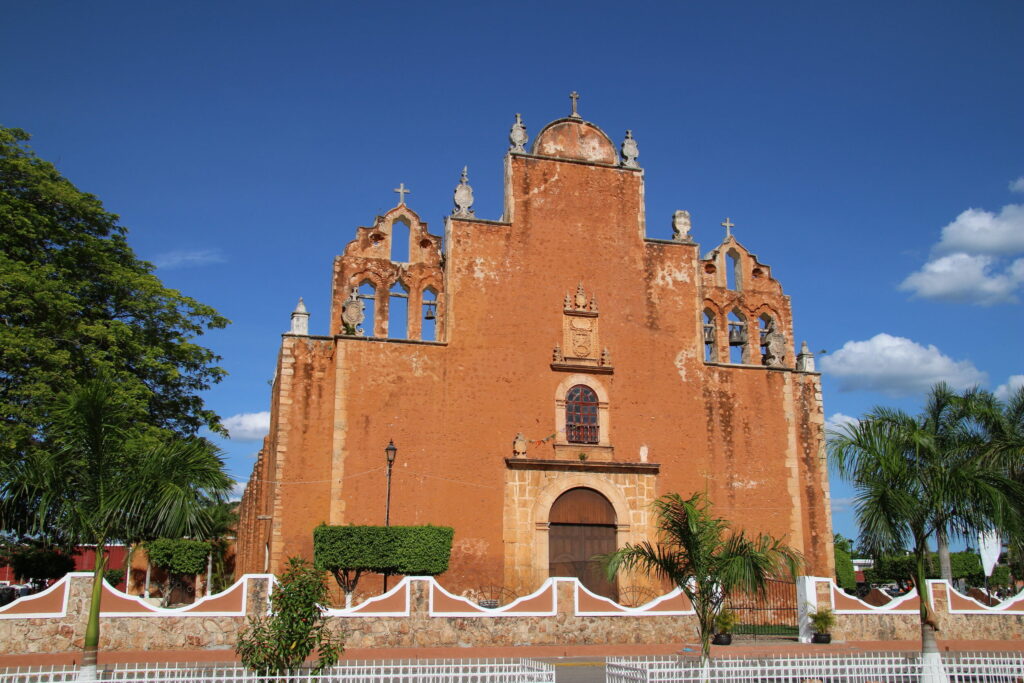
column 544, row 378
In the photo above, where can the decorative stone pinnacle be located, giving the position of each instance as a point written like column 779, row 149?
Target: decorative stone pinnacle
column 517, row 136
column 300, row 319
column 463, row 196
column 728, row 225
column 401, row 193
column 630, row 151
column 581, row 298
column 805, row 359
column 574, row 96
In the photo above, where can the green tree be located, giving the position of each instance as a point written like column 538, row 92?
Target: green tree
column 705, row 558
column 846, row 577
column 178, row 557
column 102, row 479
column 907, row 488
column 76, row 304
column 295, row 629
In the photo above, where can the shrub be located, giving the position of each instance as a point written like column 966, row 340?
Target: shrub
column 178, row 555
column 823, row 620
column 40, row 564
column 296, row 627
column 348, row 551
column 725, row 621
column 113, row 576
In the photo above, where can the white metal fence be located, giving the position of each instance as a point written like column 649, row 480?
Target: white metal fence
column 893, row 667
column 403, row 671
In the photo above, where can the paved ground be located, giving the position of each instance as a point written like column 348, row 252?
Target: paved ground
column 576, row 664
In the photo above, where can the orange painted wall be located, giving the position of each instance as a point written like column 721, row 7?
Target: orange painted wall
column 748, row 435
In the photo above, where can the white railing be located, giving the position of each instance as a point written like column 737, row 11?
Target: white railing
column 404, row 671
column 890, row 667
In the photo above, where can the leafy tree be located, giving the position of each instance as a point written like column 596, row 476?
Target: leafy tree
column 76, row 304
column 102, row 480
column 907, row 488
column 845, row 575
column 39, row 563
column 700, row 554
column 296, row 627
column 177, row 557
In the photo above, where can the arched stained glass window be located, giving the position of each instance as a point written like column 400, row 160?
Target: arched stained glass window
column 581, row 425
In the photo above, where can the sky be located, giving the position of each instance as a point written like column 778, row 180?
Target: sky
column 871, row 153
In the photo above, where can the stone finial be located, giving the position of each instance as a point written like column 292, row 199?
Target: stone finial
column 567, row 303
column 300, row 319
column 463, row 196
column 580, row 299
column 630, row 151
column 606, row 357
column 556, row 354
column 681, row 226
column 805, row 359
column 519, row 446
column 517, row 136
column 352, row 314
column 593, row 304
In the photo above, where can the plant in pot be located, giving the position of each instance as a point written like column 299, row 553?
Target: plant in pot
column 822, row 619
column 725, row 622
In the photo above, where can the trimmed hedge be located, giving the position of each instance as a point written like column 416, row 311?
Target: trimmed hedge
column 845, row 575
column 178, row 555
column 348, row 551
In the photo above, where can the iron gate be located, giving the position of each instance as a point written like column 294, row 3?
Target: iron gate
column 771, row 614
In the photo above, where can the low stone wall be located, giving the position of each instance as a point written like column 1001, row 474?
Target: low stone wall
column 418, row 612
column 959, row 617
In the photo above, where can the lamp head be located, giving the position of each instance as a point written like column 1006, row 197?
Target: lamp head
column 391, row 451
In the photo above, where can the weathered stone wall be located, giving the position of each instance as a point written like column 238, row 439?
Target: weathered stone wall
column 958, row 617
column 419, row 613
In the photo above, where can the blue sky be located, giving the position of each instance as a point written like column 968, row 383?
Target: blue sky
column 872, row 153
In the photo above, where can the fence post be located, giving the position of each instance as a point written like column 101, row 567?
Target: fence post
column 806, row 602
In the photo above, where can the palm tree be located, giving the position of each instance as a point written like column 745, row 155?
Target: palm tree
column 105, row 479
column 700, row 554
column 907, row 488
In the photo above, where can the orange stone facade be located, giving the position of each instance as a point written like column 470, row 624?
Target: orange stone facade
column 564, row 291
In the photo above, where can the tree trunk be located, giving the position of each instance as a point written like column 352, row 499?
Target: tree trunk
column 87, row 672
column 931, row 660
column 149, row 568
column 129, row 583
column 945, row 565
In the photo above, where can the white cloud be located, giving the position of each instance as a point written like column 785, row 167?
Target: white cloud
column 1003, row 391
column 248, row 426
column 188, row 259
column 1017, row 185
column 237, row 490
column 965, row 278
column 841, row 504
column 976, row 231
column 897, row 366
column 839, row 420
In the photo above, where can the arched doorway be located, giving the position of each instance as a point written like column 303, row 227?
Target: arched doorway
column 582, row 524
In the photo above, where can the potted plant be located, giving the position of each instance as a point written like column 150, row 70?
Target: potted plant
column 822, row 619
column 725, row 622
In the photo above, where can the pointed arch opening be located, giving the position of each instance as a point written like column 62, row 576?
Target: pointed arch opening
column 737, row 338
column 710, row 334
column 400, row 236
column 733, row 273
column 368, row 295
column 398, row 312
column 428, row 316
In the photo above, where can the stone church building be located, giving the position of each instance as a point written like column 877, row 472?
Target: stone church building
column 544, row 378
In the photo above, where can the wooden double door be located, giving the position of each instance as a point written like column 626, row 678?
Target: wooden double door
column 582, row 525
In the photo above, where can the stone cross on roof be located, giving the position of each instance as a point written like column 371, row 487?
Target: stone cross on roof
column 728, row 225
column 401, row 192
column 574, row 96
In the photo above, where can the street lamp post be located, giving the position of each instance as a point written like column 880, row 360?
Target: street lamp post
column 390, row 452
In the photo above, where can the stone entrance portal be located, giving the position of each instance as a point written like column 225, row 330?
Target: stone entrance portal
column 582, row 525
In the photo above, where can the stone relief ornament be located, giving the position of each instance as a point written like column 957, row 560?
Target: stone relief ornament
column 519, row 446
column 463, row 196
column 681, row 226
column 556, row 355
column 582, row 332
column 353, row 314
column 630, row 151
column 775, row 347
column 581, row 298
column 517, row 136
